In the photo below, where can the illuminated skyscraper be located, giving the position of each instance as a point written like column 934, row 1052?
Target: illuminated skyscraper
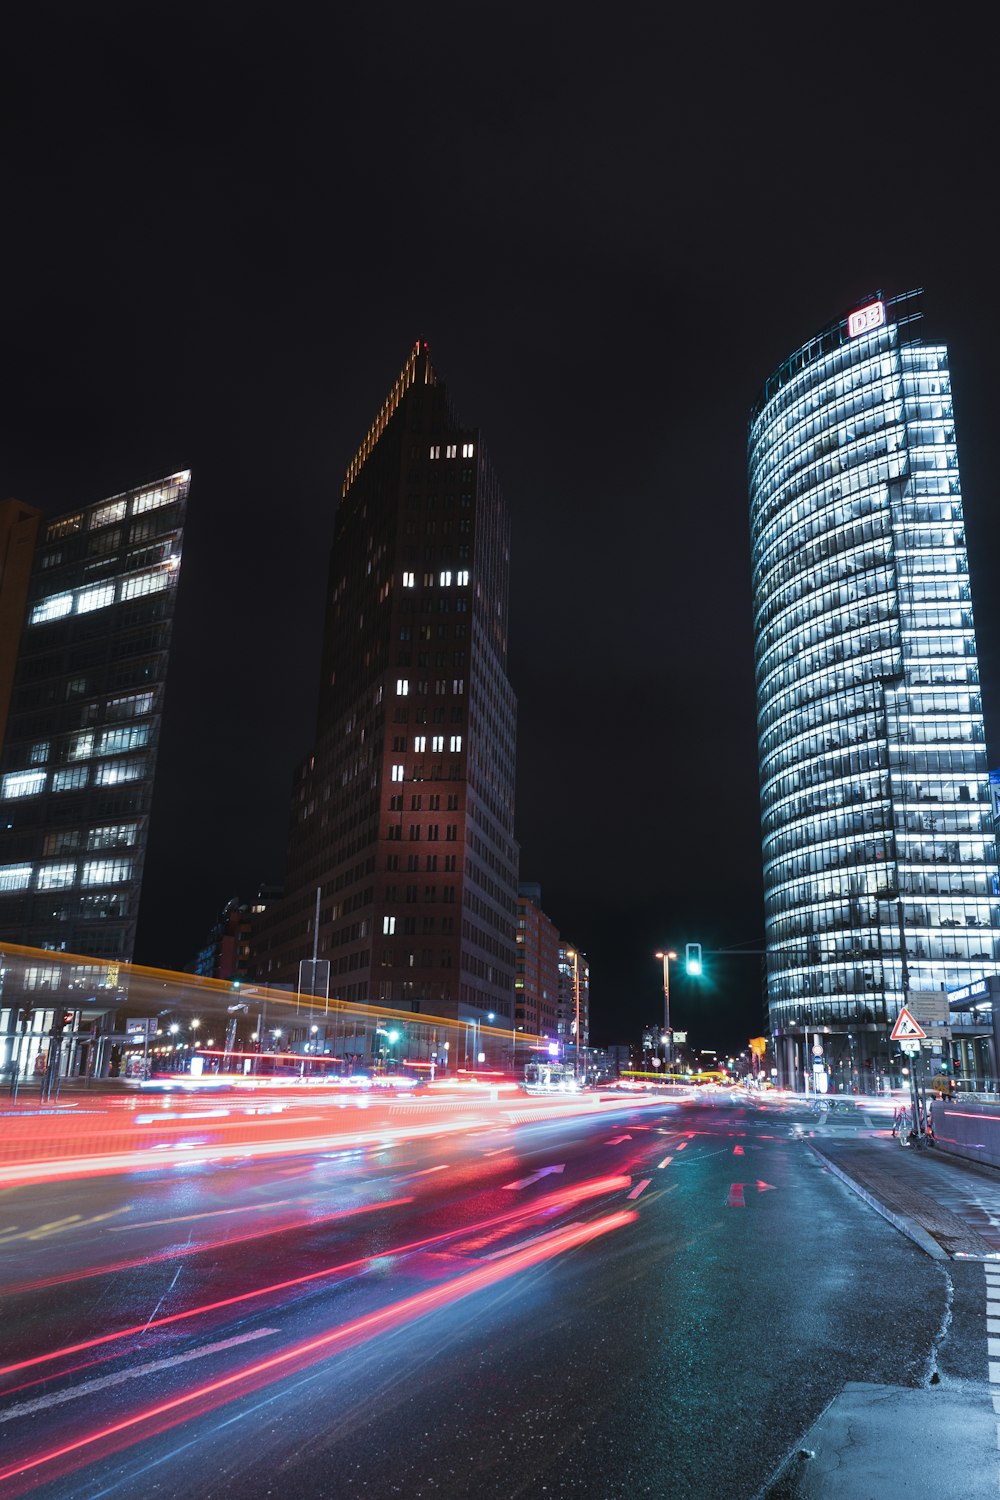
column 85, row 701
column 874, row 784
column 403, row 816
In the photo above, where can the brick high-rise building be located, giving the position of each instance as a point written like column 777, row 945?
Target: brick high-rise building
column 403, row 816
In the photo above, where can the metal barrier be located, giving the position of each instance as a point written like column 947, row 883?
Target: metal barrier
column 966, row 1127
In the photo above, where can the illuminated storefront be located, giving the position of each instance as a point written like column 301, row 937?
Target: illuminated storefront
column 879, row 856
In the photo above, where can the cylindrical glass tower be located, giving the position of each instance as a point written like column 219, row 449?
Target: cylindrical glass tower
column 879, row 863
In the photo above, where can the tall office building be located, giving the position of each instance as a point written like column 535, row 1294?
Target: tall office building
column 85, row 693
column 880, row 872
column 403, row 816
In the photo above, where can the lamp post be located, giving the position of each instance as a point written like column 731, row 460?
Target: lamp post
column 666, row 956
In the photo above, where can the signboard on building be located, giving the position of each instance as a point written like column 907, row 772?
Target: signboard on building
column 865, row 319
column 138, row 1030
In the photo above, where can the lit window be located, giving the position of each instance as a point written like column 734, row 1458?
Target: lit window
column 456, row 742
column 388, row 926
column 39, row 753
column 54, row 877
column 151, row 500
column 112, row 836
column 446, row 579
column 420, row 742
column 105, row 515
column 117, row 741
column 409, row 581
column 14, row 877
column 110, row 773
column 458, row 685
column 451, row 450
column 402, row 686
column 462, row 578
column 146, row 583
column 81, row 747
column 397, row 773
column 131, row 707
column 437, row 743
column 435, row 450
column 96, row 598
column 105, row 871
column 467, row 450
column 52, row 608
column 24, row 783
column 71, row 780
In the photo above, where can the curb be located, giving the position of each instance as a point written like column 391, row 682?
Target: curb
column 913, row 1231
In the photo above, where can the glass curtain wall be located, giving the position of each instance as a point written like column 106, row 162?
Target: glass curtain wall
column 875, row 808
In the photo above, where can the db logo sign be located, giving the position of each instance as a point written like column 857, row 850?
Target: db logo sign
column 865, row 319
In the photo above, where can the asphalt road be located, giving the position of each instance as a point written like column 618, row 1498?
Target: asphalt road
column 658, row 1300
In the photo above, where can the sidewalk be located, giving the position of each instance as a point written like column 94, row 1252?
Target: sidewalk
column 948, row 1206
column 877, row 1442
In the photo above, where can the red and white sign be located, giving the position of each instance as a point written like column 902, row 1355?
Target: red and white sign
column 865, row 319
column 906, row 1028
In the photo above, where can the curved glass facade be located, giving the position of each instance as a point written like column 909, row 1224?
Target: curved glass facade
column 874, row 784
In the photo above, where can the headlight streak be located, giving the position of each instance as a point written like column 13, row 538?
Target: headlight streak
column 207, row 1397
column 564, row 1198
column 129, row 1157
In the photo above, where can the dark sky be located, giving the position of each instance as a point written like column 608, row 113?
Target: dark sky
column 223, row 229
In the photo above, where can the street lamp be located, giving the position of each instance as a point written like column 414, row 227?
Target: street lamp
column 666, row 956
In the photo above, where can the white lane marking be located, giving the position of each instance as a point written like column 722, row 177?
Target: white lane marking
column 993, row 1339
column 524, row 1182
column 640, row 1187
column 56, row 1398
column 531, row 1240
column 665, row 1162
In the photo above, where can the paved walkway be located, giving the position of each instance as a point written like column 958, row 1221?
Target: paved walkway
column 939, row 1443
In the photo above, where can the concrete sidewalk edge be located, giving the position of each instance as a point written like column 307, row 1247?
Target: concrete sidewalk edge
column 906, row 1226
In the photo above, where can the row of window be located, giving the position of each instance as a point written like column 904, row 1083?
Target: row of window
column 451, row 450
column 421, row 688
column 109, row 773
column 82, row 601
column 446, row 579
column 53, row 877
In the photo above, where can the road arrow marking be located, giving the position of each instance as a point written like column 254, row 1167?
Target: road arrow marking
column 738, row 1151
column 618, row 1140
column 535, row 1177
column 764, row 1187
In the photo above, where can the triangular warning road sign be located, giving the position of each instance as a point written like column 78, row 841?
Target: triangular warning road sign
column 906, row 1028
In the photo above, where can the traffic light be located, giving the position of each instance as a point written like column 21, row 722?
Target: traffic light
column 692, row 959
column 60, row 1020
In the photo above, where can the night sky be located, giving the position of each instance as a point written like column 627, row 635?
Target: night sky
column 224, row 228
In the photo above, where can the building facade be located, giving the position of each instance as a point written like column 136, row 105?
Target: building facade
column 574, row 1000
column 85, row 704
column 537, row 982
column 880, row 868
column 403, row 816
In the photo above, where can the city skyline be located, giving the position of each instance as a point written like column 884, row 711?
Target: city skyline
column 605, row 273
